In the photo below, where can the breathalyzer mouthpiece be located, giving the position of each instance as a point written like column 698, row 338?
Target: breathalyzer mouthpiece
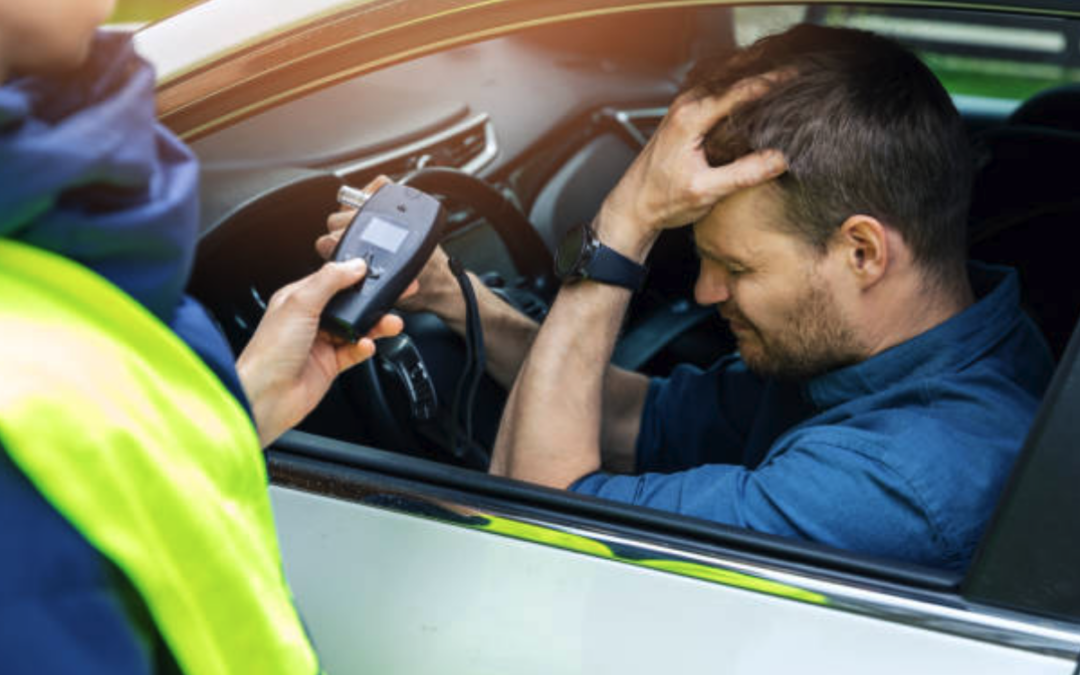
column 352, row 197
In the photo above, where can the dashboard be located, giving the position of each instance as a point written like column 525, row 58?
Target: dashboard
column 541, row 124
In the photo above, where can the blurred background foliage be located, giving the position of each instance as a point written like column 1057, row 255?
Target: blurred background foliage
column 138, row 11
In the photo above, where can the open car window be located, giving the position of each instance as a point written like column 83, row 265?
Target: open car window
column 553, row 157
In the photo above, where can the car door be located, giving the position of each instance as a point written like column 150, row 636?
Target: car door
column 400, row 564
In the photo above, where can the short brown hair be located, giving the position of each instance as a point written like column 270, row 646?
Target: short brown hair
column 866, row 129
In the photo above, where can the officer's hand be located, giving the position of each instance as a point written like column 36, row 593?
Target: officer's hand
column 671, row 183
column 289, row 364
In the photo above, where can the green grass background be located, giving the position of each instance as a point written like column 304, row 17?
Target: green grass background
column 1017, row 81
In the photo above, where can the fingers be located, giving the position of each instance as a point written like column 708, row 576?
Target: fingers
column 339, row 220
column 378, row 182
column 312, row 292
column 703, row 110
column 745, row 172
column 326, row 244
column 348, row 355
column 412, row 290
column 388, row 326
column 336, row 224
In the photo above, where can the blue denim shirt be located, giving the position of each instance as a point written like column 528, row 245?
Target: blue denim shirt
column 901, row 456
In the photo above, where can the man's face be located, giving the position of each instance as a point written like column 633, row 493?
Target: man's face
column 773, row 287
column 44, row 36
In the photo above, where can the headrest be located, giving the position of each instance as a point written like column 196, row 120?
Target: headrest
column 1028, row 173
column 1058, row 108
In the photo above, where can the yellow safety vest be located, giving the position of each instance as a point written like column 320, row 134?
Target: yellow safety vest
column 131, row 437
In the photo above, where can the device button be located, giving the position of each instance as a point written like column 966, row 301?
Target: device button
column 373, row 270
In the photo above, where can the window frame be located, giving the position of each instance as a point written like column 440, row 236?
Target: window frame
column 332, row 49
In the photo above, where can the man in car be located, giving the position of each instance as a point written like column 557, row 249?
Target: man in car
column 882, row 385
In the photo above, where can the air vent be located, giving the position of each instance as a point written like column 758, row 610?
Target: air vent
column 460, row 150
column 469, row 146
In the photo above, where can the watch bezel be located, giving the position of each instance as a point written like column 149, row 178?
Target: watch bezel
column 586, row 248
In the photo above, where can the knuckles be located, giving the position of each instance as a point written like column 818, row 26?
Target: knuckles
column 699, row 191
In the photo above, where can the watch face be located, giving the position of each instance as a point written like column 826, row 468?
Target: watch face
column 569, row 252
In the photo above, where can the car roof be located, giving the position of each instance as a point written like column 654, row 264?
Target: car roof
column 210, row 31
column 223, row 60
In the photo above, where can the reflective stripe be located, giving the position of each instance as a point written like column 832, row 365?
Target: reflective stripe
column 129, row 435
column 573, row 542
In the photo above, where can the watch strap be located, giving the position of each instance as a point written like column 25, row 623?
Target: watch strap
column 608, row 266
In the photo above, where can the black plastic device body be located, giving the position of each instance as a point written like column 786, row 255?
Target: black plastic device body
column 395, row 232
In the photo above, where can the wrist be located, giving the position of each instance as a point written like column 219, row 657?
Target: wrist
column 629, row 235
column 447, row 303
column 259, row 397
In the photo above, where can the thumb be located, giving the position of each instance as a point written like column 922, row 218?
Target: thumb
column 315, row 290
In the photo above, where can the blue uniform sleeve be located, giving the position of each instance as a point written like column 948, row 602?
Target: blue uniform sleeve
column 834, row 490
column 193, row 324
column 696, row 417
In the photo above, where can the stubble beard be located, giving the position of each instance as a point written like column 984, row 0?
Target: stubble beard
column 816, row 339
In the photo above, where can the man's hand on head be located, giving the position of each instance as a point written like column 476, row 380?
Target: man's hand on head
column 556, row 420
column 671, row 183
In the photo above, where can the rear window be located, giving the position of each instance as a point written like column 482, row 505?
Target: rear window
column 982, row 54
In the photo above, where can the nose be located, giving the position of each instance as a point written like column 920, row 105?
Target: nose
column 711, row 287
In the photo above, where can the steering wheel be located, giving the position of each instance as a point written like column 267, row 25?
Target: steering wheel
column 392, row 423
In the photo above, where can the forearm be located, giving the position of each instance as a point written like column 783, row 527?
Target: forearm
column 623, row 402
column 508, row 334
column 551, row 428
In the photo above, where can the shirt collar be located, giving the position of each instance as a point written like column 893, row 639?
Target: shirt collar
column 949, row 346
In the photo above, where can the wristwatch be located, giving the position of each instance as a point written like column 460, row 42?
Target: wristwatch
column 581, row 256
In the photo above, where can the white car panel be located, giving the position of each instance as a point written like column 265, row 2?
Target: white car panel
column 391, row 593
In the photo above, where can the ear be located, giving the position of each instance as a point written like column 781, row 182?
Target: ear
column 863, row 244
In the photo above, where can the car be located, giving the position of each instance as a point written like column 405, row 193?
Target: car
column 403, row 555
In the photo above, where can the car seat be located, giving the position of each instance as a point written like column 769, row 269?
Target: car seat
column 1025, row 202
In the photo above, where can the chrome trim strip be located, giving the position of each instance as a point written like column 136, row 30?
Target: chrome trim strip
column 912, row 608
column 626, row 119
column 486, row 156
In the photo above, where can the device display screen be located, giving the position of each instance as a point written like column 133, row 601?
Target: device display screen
column 385, row 235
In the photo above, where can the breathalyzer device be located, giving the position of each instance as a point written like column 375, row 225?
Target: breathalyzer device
column 394, row 231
